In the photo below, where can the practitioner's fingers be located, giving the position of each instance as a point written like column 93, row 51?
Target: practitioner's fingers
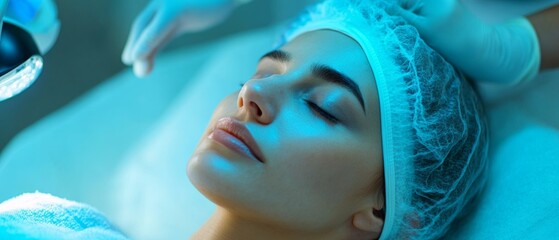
column 143, row 67
column 158, row 33
column 410, row 16
column 140, row 24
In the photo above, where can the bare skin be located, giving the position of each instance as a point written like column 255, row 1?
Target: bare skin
column 321, row 179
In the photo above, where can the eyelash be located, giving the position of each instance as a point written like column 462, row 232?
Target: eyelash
column 315, row 108
column 322, row 112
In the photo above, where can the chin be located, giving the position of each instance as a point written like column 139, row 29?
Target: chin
column 223, row 181
column 212, row 174
column 209, row 184
column 201, row 172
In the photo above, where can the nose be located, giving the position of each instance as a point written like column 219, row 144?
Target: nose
column 257, row 101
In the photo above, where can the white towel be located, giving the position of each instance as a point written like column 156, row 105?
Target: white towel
column 45, row 217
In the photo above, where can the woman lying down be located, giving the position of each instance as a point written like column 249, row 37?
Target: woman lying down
column 352, row 129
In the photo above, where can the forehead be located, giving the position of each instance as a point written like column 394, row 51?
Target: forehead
column 338, row 51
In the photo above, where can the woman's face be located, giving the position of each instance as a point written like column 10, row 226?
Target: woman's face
column 316, row 159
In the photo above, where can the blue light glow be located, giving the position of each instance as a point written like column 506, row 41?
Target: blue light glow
column 20, row 78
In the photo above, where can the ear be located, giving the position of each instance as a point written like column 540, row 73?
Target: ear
column 366, row 221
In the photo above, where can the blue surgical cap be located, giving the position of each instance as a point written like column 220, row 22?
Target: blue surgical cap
column 434, row 133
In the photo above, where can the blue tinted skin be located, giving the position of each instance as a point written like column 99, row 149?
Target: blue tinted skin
column 322, row 171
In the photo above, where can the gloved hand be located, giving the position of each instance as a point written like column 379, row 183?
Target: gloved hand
column 23, row 10
column 163, row 20
column 506, row 53
column 3, row 4
column 38, row 17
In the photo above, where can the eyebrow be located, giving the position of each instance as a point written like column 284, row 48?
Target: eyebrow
column 323, row 72
column 330, row 75
column 278, row 55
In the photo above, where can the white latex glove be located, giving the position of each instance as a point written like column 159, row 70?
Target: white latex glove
column 163, row 20
column 3, row 4
column 23, row 10
column 38, row 17
column 506, row 53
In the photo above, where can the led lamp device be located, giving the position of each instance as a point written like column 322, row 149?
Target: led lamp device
column 20, row 60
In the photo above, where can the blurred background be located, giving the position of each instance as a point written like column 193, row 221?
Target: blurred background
column 88, row 49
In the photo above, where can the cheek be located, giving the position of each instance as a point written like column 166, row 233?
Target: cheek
column 327, row 172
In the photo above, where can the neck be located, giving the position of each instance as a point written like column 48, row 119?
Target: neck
column 225, row 225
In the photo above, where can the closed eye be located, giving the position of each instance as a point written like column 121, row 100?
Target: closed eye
column 323, row 113
column 329, row 117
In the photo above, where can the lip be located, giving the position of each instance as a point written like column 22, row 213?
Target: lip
column 233, row 134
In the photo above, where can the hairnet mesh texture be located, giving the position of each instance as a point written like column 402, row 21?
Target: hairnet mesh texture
column 434, row 133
